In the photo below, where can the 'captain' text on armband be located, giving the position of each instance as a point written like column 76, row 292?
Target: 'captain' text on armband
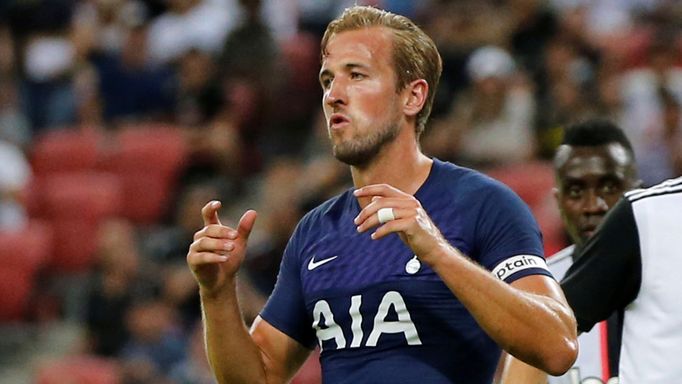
column 517, row 264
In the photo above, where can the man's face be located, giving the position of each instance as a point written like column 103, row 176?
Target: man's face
column 590, row 181
column 360, row 100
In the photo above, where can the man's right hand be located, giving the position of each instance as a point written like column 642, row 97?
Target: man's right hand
column 218, row 250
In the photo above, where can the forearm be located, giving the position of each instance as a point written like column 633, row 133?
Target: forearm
column 232, row 354
column 515, row 371
column 535, row 328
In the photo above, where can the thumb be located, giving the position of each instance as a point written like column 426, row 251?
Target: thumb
column 209, row 213
column 246, row 224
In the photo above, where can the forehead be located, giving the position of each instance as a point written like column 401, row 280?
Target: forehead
column 583, row 161
column 367, row 46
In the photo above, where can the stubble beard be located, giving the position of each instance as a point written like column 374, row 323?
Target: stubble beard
column 360, row 151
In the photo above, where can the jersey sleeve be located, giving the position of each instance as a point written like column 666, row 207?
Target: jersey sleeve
column 508, row 239
column 285, row 309
column 606, row 274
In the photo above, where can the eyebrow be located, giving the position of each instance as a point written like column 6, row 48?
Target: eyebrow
column 349, row 66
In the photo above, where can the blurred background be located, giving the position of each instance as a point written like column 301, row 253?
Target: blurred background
column 120, row 119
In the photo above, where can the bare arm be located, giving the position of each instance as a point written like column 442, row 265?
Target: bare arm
column 531, row 319
column 265, row 355
column 515, row 371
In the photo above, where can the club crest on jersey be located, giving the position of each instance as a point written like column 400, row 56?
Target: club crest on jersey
column 517, row 264
column 328, row 329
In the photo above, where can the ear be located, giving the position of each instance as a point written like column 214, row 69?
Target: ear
column 555, row 193
column 415, row 97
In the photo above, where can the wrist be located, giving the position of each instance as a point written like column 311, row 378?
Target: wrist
column 440, row 252
column 219, row 294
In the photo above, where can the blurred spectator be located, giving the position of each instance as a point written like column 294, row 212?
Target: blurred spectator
column 190, row 24
column 649, row 94
column 14, row 126
column 534, row 25
column 179, row 292
column 48, row 60
column 280, row 200
column 194, row 369
column 492, row 122
column 103, row 25
column 15, row 173
column 119, row 279
column 155, row 345
column 199, row 97
column 131, row 87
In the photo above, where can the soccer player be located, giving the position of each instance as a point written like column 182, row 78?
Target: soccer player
column 419, row 274
column 594, row 166
column 632, row 263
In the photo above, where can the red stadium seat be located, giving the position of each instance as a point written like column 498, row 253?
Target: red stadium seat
column 22, row 254
column 65, row 151
column 26, row 249
column 16, row 287
column 81, row 195
column 148, row 159
column 79, row 370
column 75, row 204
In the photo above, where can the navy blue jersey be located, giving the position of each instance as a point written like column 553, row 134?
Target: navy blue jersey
column 381, row 316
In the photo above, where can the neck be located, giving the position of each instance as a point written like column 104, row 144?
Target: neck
column 400, row 164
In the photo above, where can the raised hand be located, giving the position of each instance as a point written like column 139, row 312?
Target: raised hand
column 401, row 213
column 218, row 250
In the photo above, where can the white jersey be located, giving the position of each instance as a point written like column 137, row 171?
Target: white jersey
column 634, row 263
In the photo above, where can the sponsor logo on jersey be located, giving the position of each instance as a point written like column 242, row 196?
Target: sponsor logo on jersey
column 327, row 329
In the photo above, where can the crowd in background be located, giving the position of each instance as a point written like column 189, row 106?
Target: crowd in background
column 236, row 82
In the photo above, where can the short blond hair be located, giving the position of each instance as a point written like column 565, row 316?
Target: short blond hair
column 415, row 55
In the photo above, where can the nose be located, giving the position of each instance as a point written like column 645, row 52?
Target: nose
column 595, row 203
column 335, row 94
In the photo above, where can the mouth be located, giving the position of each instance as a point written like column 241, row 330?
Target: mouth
column 337, row 121
column 588, row 231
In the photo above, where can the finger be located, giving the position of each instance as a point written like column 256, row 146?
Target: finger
column 373, row 220
column 393, row 226
column 196, row 259
column 383, row 190
column 207, row 244
column 246, row 224
column 372, row 208
column 216, row 231
column 209, row 212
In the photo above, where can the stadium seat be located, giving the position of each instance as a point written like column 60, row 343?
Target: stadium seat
column 16, row 287
column 26, row 249
column 81, row 195
column 22, row 254
column 148, row 159
column 75, row 204
column 79, row 370
column 65, row 150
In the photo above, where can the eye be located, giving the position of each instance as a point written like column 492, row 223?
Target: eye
column 574, row 192
column 325, row 82
column 611, row 188
column 357, row 75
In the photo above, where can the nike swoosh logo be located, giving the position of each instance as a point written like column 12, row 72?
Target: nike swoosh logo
column 314, row 264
